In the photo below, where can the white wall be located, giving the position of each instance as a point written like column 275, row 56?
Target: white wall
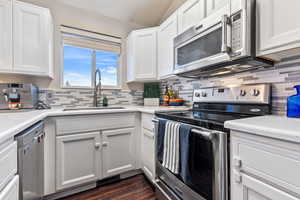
column 79, row 18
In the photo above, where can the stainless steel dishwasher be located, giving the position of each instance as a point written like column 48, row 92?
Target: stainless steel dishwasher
column 30, row 162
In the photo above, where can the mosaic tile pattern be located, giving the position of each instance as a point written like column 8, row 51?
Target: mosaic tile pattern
column 84, row 97
column 282, row 77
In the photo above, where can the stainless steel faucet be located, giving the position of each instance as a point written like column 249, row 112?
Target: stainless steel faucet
column 98, row 88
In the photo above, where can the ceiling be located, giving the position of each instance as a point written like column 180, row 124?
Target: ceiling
column 142, row 12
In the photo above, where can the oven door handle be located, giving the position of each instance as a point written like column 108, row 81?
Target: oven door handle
column 208, row 135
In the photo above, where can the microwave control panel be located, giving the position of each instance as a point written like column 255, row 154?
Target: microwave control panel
column 237, row 35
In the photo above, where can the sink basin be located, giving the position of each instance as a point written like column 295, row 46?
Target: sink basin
column 93, row 108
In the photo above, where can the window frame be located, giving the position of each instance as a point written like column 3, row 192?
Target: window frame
column 105, row 87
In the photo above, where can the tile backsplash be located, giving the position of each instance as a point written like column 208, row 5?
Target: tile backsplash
column 84, row 97
column 282, row 77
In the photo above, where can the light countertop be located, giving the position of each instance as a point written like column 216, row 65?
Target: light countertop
column 12, row 123
column 277, row 127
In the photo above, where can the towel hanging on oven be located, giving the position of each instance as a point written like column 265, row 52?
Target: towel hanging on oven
column 171, row 156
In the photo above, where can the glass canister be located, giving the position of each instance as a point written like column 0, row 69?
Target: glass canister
column 293, row 104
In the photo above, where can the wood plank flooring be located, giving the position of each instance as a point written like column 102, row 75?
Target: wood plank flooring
column 135, row 188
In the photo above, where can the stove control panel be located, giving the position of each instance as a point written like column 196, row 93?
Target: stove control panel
column 258, row 94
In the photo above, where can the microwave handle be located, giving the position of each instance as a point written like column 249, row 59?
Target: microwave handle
column 225, row 44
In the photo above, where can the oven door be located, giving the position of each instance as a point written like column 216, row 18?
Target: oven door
column 204, row 45
column 207, row 166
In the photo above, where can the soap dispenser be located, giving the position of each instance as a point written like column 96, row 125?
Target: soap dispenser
column 293, row 104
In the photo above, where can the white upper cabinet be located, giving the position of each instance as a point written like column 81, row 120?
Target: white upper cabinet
column 166, row 33
column 190, row 14
column 118, row 151
column 278, row 28
column 6, row 35
column 215, row 5
column 32, row 39
column 142, row 55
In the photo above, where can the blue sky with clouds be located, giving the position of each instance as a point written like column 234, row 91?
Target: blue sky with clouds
column 78, row 66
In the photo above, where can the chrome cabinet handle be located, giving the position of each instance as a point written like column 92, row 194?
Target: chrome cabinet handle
column 225, row 23
column 97, row 145
column 104, row 144
column 237, row 162
column 237, row 177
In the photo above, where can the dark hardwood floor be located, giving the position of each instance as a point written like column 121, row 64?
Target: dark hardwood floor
column 135, row 188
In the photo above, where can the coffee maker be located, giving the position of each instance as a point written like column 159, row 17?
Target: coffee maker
column 18, row 96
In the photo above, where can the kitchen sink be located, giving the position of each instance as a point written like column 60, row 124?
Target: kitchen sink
column 93, row 108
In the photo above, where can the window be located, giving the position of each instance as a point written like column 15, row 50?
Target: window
column 83, row 55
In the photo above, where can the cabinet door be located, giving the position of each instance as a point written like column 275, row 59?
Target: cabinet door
column 118, row 151
column 11, row 191
column 166, row 34
column 278, row 27
column 190, row 14
column 145, row 54
column 148, row 153
column 215, row 5
column 5, row 35
column 78, row 159
column 32, row 36
column 249, row 188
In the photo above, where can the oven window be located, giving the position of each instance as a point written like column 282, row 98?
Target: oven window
column 201, row 166
column 203, row 47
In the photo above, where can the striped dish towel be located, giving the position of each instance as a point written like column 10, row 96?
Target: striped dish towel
column 171, row 158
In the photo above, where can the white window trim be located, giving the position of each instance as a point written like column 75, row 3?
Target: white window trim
column 104, row 87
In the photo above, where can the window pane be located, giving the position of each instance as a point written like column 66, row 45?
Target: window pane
column 77, row 67
column 108, row 63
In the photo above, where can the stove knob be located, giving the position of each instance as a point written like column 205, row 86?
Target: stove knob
column 243, row 93
column 204, row 94
column 255, row 92
column 197, row 94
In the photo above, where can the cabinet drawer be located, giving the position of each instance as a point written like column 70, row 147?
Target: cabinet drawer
column 8, row 164
column 11, row 191
column 147, row 121
column 77, row 124
column 272, row 163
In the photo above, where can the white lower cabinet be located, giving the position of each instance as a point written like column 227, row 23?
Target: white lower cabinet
column 148, row 152
column 78, row 159
column 264, row 168
column 253, row 189
column 118, row 151
column 11, row 191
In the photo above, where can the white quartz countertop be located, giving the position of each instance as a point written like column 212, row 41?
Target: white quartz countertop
column 12, row 123
column 277, row 127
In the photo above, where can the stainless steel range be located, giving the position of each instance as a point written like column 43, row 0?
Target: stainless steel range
column 203, row 158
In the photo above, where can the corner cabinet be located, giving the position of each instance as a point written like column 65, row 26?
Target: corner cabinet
column 278, row 28
column 142, row 55
column 78, row 159
column 118, row 151
column 190, row 14
column 32, row 39
column 167, row 31
column 6, row 35
column 26, row 39
column 264, row 168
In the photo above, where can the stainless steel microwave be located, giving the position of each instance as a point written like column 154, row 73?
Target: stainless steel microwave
column 222, row 43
